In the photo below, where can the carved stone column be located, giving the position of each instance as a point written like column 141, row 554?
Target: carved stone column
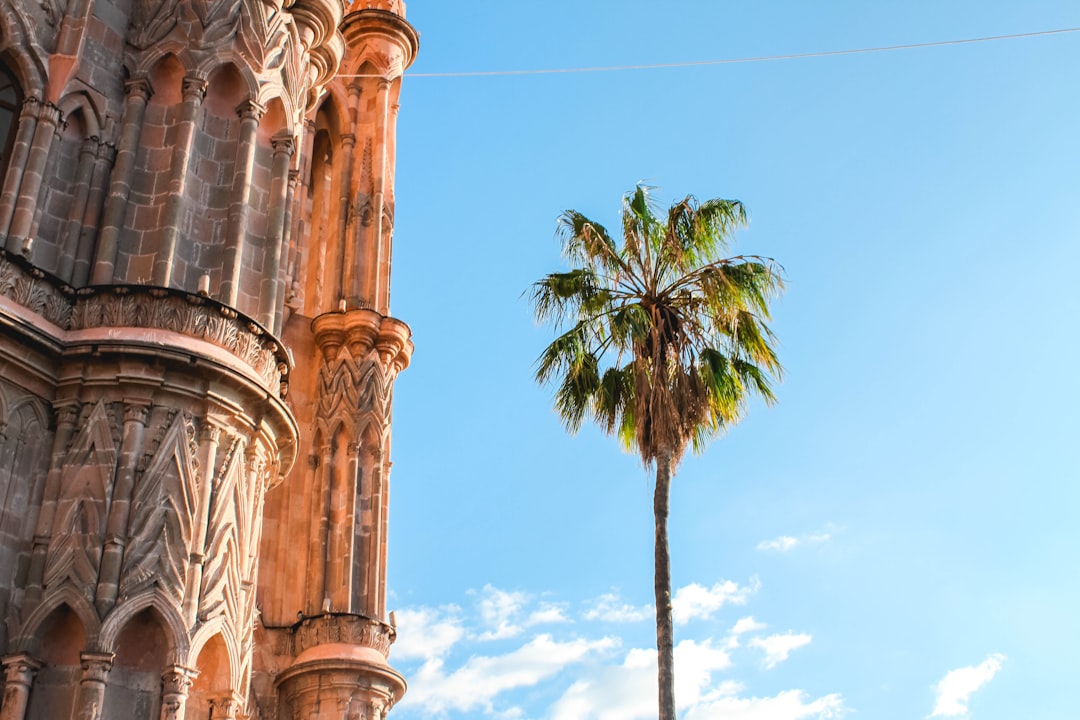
column 176, row 681
column 66, row 417
column 19, row 673
column 19, row 234
column 211, row 436
column 250, row 112
column 91, row 694
column 275, row 231
column 164, row 260
column 135, row 418
column 24, row 139
column 138, row 93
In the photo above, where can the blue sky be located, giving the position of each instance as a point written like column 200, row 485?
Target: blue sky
column 897, row 537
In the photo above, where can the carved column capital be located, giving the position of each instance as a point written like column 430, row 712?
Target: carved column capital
column 250, row 110
column 96, row 667
column 139, row 88
column 283, row 144
column 19, row 669
column 136, row 412
column 194, row 88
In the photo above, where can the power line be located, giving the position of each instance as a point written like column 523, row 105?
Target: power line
column 734, row 61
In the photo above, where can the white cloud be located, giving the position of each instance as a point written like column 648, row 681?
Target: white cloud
column 786, row 705
column 782, row 543
column 956, row 687
column 610, row 608
column 778, row 647
column 628, row 691
column 499, row 610
column 475, row 684
column 548, row 614
column 745, row 625
column 788, row 542
column 425, row 633
column 695, row 601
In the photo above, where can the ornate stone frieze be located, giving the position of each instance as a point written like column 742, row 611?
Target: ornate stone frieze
column 186, row 314
column 30, row 288
column 344, row 628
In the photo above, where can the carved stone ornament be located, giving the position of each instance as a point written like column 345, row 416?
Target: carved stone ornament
column 188, row 315
column 29, row 288
column 344, row 628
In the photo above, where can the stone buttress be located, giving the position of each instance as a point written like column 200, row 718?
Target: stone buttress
column 197, row 357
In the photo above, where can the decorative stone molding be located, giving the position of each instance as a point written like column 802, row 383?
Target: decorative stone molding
column 29, row 287
column 193, row 315
column 344, row 628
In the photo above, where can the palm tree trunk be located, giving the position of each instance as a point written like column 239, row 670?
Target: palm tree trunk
column 665, row 636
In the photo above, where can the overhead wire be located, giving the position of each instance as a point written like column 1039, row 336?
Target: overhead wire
column 732, row 61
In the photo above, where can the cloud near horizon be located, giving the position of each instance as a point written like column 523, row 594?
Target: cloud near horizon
column 485, row 660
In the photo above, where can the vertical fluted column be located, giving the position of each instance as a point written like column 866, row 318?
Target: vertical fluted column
column 19, row 673
column 275, row 230
column 24, row 139
column 135, row 419
column 321, row 528
column 165, row 259
column 72, row 231
column 33, row 173
column 87, row 226
column 287, row 242
column 175, row 682
column 90, row 696
column 211, row 437
column 65, row 427
column 236, row 235
column 127, row 150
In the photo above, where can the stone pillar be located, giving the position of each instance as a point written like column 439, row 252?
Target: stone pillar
column 66, row 417
column 73, row 229
column 176, row 681
column 135, row 418
column 250, row 112
column 90, row 696
column 19, row 234
column 87, row 226
column 19, row 673
column 211, row 436
column 287, row 255
column 24, row 139
column 164, row 260
column 275, row 231
column 127, row 151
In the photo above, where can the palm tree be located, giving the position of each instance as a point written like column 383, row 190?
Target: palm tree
column 662, row 343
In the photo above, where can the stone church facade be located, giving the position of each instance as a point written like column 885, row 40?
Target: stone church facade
column 197, row 357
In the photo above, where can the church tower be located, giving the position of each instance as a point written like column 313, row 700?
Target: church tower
column 197, row 357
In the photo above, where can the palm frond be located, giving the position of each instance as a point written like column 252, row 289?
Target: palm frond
column 668, row 340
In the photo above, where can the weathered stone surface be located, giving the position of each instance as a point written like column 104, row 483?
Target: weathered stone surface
column 196, row 357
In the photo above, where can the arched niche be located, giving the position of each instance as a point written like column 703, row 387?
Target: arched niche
column 214, row 680
column 142, row 653
column 58, row 644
